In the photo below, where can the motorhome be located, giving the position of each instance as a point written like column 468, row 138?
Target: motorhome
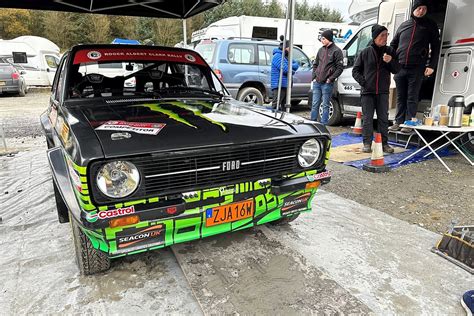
column 453, row 75
column 42, row 58
column 306, row 34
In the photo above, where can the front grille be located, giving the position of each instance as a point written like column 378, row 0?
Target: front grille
column 183, row 171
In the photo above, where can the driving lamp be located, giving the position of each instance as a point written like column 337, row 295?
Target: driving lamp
column 309, row 153
column 118, row 179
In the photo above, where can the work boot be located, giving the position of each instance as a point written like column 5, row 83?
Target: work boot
column 387, row 149
column 406, row 130
column 367, row 148
column 395, row 127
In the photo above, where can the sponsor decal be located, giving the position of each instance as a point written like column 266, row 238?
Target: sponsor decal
column 150, row 235
column 294, row 204
column 319, row 176
column 231, row 165
column 227, row 190
column 53, row 115
column 136, row 127
column 148, row 54
column 64, row 132
column 94, row 55
column 92, row 217
column 116, row 212
column 455, row 74
column 190, row 57
column 76, row 180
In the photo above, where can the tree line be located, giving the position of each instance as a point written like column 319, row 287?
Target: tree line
column 67, row 29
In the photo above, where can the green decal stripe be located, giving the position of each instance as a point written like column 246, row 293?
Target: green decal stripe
column 170, row 114
column 197, row 112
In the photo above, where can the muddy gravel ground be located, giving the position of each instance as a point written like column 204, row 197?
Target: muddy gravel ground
column 423, row 193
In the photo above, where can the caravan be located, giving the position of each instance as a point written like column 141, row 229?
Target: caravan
column 453, row 75
column 42, row 58
column 307, row 33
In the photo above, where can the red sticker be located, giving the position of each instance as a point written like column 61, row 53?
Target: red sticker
column 136, row 127
column 145, row 54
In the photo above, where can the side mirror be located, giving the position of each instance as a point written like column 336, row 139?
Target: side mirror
column 47, row 70
column 22, row 72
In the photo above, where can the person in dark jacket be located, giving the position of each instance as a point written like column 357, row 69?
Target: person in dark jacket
column 372, row 71
column 413, row 41
column 327, row 66
column 275, row 74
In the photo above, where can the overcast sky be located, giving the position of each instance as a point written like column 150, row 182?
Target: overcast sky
column 341, row 5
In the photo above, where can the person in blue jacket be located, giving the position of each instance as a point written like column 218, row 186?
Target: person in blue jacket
column 275, row 75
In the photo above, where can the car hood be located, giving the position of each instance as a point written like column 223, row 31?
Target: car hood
column 168, row 125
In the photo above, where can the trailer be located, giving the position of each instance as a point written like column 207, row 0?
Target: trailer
column 42, row 58
column 307, row 33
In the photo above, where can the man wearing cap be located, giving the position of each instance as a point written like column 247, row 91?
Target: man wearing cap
column 413, row 41
column 372, row 70
column 275, row 74
column 327, row 66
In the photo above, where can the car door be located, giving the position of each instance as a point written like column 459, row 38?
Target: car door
column 265, row 54
column 302, row 77
column 348, row 89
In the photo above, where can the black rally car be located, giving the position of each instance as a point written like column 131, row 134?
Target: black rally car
column 147, row 149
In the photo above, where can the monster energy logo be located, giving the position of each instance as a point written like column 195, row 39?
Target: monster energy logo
column 194, row 108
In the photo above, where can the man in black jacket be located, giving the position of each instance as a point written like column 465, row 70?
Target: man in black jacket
column 327, row 66
column 412, row 42
column 372, row 71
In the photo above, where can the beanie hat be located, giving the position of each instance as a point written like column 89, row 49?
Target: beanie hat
column 328, row 34
column 377, row 29
column 419, row 3
column 287, row 44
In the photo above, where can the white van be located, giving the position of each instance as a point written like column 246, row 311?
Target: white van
column 453, row 75
column 42, row 58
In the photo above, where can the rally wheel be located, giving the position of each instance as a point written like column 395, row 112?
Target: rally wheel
column 89, row 260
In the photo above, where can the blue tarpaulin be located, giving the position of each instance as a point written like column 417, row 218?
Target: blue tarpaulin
column 391, row 159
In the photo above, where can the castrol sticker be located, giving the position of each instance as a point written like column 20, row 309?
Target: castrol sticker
column 116, row 212
column 136, row 127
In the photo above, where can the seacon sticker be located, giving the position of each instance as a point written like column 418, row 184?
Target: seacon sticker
column 295, row 203
column 153, row 235
column 136, row 127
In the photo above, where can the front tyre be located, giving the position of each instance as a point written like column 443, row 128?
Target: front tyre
column 284, row 220
column 89, row 259
column 250, row 95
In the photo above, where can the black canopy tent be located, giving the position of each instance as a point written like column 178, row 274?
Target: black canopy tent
column 176, row 9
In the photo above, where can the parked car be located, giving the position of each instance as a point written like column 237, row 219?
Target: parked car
column 11, row 80
column 244, row 66
column 173, row 158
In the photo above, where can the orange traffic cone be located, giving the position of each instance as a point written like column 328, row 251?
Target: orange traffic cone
column 357, row 128
column 377, row 163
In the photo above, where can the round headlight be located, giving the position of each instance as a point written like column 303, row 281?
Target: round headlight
column 118, row 179
column 309, row 153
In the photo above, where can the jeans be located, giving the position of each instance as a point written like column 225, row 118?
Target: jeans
column 321, row 91
column 374, row 103
column 282, row 98
column 408, row 82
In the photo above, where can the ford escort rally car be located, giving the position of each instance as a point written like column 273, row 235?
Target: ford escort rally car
column 156, row 152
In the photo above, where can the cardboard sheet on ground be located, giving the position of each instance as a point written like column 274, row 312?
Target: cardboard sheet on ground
column 353, row 152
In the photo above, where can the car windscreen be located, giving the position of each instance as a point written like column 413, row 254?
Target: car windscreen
column 207, row 50
column 128, row 72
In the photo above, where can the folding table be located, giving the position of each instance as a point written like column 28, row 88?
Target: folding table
column 445, row 131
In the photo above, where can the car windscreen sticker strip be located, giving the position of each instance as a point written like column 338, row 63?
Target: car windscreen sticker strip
column 136, row 54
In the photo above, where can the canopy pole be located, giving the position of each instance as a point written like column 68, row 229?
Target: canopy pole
column 185, row 41
column 290, row 57
column 280, row 78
